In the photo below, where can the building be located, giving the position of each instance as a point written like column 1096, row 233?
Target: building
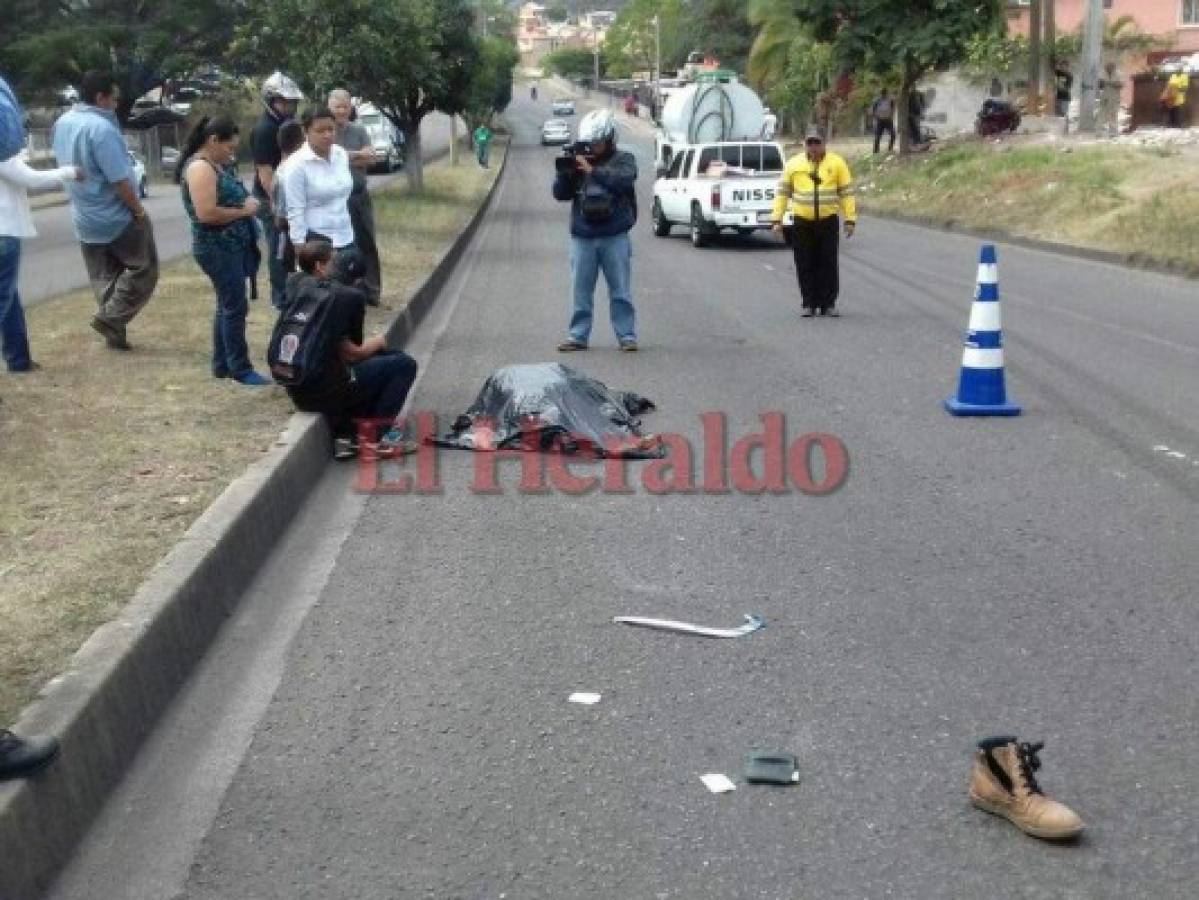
column 536, row 36
column 1175, row 21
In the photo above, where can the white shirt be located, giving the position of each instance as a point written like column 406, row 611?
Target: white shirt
column 316, row 191
column 16, row 178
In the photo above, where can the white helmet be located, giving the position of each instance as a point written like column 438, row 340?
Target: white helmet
column 597, row 125
column 280, row 87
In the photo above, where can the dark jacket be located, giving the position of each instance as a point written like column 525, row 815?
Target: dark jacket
column 617, row 172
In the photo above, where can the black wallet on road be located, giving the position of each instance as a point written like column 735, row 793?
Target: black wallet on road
column 771, row 768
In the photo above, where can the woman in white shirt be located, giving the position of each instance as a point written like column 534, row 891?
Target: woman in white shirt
column 16, row 222
column 317, row 185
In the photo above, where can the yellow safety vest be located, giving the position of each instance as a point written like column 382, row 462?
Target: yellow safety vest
column 1177, row 86
column 816, row 197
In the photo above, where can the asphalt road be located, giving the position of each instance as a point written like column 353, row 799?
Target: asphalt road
column 51, row 262
column 387, row 715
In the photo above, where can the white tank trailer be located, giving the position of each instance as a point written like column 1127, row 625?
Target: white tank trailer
column 716, row 107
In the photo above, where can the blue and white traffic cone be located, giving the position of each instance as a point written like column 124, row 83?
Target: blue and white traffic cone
column 981, row 390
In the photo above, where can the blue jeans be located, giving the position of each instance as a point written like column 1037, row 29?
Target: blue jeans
column 614, row 255
column 277, row 269
column 13, row 334
column 381, row 385
column 227, row 271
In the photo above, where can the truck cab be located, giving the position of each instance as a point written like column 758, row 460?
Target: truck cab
column 730, row 185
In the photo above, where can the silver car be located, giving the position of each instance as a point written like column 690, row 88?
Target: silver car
column 555, row 132
column 563, row 107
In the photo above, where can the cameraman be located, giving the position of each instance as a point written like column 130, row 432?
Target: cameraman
column 599, row 182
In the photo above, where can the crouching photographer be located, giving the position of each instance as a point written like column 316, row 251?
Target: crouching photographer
column 319, row 353
column 599, row 183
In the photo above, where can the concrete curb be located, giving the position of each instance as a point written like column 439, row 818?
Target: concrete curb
column 1127, row 260
column 122, row 679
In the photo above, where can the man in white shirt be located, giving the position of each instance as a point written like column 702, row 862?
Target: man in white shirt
column 317, row 185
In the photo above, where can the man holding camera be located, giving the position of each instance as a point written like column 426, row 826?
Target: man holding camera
column 599, row 183
column 816, row 185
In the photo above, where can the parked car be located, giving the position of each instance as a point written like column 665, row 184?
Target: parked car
column 563, row 106
column 170, row 159
column 140, row 181
column 996, row 117
column 555, row 132
column 388, row 153
column 711, row 187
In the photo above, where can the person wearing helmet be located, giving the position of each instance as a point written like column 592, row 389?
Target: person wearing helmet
column 599, row 182
column 280, row 97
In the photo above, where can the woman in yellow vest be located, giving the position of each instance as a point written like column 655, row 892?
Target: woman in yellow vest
column 816, row 186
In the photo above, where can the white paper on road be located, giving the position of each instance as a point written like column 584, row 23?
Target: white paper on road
column 717, row 783
column 583, row 697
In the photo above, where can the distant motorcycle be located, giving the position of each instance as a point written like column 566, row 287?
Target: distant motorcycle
column 996, row 117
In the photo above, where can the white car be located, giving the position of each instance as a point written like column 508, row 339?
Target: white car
column 563, row 107
column 555, row 132
column 388, row 156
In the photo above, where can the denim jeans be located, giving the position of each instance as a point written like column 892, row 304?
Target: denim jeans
column 613, row 255
column 227, row 271
column 381, row 385
column 13, row 334
column 277, row 268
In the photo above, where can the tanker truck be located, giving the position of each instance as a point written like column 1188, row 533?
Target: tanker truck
column 716, row 171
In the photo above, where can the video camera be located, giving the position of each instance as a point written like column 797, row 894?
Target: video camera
column 565, row 164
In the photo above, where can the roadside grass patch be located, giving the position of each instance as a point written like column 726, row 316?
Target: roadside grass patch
column 109, row 457
column 1123, row 198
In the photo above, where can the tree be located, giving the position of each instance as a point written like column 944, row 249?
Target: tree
column 573, row 62
column 491, row 91
column 721, row 28
column 770, row 55
column 631, row 39
column 557, row 13
column 408, row 57
column 46, row 45
column 909, row 38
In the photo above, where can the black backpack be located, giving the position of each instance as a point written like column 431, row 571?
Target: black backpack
column 301, row 340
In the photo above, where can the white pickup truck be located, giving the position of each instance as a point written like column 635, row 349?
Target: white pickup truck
column 712, row 187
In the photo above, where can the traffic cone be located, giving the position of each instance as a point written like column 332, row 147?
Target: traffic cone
column 981, row 391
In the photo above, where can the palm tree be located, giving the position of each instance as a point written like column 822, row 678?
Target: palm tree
column 777, row 28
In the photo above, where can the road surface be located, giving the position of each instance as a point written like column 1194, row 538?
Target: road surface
column 51, row 263
column 387, row 715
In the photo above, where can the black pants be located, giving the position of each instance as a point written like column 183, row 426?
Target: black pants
column 378, row 391
column 884, row 126
column 815, row 247
column 362, row 219
column 1174, row 116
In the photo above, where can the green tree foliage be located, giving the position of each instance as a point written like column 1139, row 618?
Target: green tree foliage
column 630, row 40
column 557, row 13
column 491, row 91
column 48, row 44
column 721, row 28
column 909, row 38
column 574, row 62
column 408, row 57
column 771, row 55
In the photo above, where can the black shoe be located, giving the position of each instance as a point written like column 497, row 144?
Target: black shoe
column 808, row 312
column 20, row 757
column 114, row 337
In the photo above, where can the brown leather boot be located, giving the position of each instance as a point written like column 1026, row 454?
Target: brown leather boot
column 1002, row 783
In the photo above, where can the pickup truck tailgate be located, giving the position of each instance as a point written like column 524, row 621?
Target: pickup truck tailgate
column 748, row 194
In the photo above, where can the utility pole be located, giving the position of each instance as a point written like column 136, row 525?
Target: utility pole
column 1049, row 55
column 657, row 87
column 1034, row 58
column 1092, row 49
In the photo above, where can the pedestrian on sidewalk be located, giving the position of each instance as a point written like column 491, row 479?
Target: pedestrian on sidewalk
column 600, row 188
column 883, row 112
column 16, row 222
column 224, row 241
column 816, row 185
column 357, row 378
column 318, row 185
column 482, row 138
column 115, row 234
column 280, row 98
column 354, row 139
